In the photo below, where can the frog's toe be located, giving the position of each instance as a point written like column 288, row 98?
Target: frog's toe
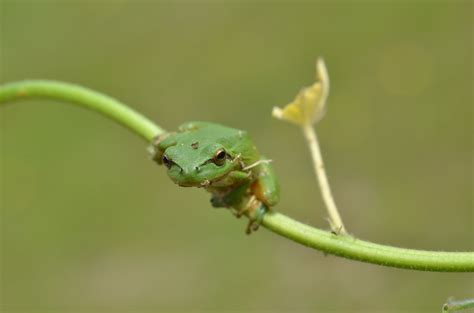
column 218, row 202
column 255, row 218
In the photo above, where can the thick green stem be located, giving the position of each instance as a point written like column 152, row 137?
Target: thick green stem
column 341, row 245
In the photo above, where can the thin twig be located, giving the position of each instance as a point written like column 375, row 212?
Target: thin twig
column 335, row 220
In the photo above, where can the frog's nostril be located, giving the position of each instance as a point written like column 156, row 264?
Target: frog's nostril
column 197, row 169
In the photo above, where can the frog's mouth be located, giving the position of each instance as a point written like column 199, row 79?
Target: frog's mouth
column 214, row 182
column 200, row 176
column 205, row 183
column 187, row 185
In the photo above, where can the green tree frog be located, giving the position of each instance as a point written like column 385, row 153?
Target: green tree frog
column 225, row 162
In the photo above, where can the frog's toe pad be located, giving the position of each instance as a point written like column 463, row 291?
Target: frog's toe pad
column 255, row 219
column 218, row 202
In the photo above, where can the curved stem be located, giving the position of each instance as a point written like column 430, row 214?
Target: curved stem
column 84, row 97
column 341, row 245
column 356, row 249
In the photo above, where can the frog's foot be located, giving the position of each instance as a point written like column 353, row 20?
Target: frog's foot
column 153, row 151
column 255, row 218
column 238, row 160
column 251, row 204
column 255, row 210
column 219, row 202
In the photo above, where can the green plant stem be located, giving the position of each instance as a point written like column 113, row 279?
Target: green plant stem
column 356, row 249
column 84, row 97
column 341, row 245
column 458, row 305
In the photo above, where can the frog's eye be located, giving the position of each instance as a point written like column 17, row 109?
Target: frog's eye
column 219, row 157
column 166, row 161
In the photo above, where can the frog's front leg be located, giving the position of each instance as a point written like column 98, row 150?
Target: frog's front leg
column 232, row 197
column 156, row 147
column 241, row 203
column 228, row 199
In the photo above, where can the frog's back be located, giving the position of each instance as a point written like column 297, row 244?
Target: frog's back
column 210, row 132
column 234, row 140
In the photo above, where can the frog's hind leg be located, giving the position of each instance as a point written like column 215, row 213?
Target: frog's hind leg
column 265, row 192
column 266, row 187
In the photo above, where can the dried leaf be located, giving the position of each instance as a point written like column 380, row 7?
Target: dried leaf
column 309, row 105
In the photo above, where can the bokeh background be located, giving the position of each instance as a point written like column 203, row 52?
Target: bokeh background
column 89, row 224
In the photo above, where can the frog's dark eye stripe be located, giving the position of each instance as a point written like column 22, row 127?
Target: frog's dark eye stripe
column 219, row 157
column 166, row 161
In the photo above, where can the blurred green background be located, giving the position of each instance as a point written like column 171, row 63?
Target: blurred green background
column 89, row 224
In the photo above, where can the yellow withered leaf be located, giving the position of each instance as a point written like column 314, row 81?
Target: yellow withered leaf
column 309, row 105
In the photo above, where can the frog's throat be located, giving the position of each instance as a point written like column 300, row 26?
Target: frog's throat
column 204, row 184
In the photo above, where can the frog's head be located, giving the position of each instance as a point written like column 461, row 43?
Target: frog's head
column 198, row 163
